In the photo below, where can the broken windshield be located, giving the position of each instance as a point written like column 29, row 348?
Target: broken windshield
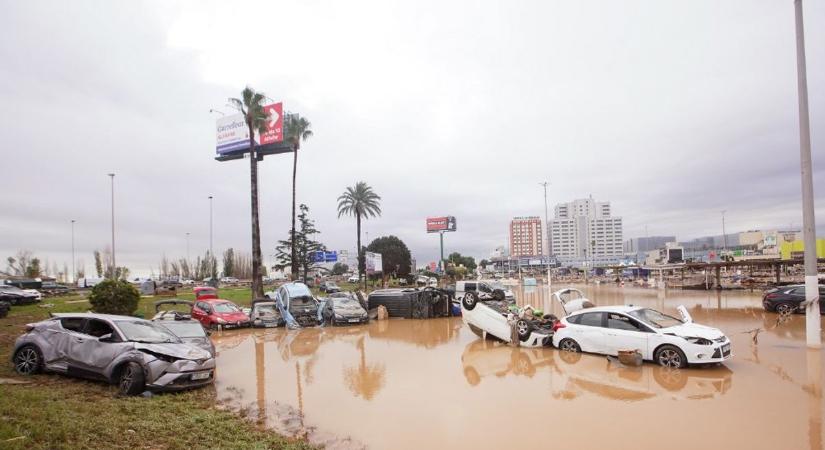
column 655, row 318
column 146, row 332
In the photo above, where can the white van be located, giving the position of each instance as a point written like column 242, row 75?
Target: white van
column 88, row 282
column 487, row 287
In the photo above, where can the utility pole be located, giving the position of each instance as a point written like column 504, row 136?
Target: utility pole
column 74, row 273
column 812, row 320
column 547, row 235
column 211, row 251
column 114, row 265
column 724, row 236
column 187, row 248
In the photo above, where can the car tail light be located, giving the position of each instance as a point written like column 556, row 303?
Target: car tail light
column 558, row 325
column 771, row 296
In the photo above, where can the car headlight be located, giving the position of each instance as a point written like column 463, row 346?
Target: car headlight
column 698, row 340
column 338, row 316
column 221, row 320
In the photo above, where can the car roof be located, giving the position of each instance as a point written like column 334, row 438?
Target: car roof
column 215, row 300
column 612, row 308
column 111, row 317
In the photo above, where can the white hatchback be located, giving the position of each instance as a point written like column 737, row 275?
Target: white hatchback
column 660, row 338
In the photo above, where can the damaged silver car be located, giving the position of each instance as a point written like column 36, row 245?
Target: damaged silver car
column 133, row 353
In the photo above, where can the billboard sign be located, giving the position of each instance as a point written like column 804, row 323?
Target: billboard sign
column 322, row 257
column 232, row 134
column 439, row 224
column 432, row 266
column 373, row 262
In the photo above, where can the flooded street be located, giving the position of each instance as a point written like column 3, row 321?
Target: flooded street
column 412, row 384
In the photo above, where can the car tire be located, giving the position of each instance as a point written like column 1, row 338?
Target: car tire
column 469, row 301
column 569, row 345
column 131, row 380
column 785, row 308
column 524, row 329
column 28, row 360
column 670, row 356
column 498, row 294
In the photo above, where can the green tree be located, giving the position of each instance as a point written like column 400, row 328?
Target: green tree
column 297, row 130
column 98, row 264
column 304, row 247
column 114, row 297
column 395, row 256
column 467, row 261
column 359, row 201
column 339, row 268
column 251, row 106
column 229, row 262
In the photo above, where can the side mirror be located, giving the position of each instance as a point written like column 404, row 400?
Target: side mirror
column 106, row 338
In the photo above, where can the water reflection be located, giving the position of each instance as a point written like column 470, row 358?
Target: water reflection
column 575, row 374
column 364, row 380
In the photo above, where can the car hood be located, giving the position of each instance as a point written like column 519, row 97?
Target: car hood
column 693, row 330
column 351, row 311
column 175, row 350
column 203, row 343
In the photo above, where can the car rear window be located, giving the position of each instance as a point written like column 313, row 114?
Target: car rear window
column 72, row 323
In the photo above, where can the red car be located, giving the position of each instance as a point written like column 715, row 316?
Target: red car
column 211, row 312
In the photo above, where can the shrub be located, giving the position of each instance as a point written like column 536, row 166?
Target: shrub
column 114, row 297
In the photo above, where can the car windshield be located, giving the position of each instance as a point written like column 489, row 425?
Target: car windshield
column 655, row 318
column 146, row 332
column 225, row 308
column 265, row 307
column 185, row 329
column 302, row 301
column 8, row 288
column 346, row 302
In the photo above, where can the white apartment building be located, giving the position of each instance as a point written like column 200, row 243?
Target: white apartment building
column 585, row 231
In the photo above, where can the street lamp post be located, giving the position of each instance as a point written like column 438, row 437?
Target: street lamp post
column 547, row 235
column 211, row 251
column 74, row 273
column 724, row 236
column 812, row 320
column 187, row 248
column 114, row 265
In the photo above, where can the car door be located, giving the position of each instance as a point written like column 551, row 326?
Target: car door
column 61, row 338
column 625, row 333
column 89, row 355
column 199, row 313
column 589, row 332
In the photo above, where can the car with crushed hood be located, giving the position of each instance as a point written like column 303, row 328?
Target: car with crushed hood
column 215, row 312
column 181, row 324
column 16, row 296
column 265, row 314
column 342, row 308
column 660, row 338
column 133, row 353
column 296, row 299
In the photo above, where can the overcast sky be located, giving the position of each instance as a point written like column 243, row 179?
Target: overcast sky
column 671, row 110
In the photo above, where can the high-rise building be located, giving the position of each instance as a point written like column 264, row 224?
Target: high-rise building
column 646, row 244
column 585, row 231
column 525, row 236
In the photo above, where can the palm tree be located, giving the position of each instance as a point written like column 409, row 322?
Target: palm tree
column 251, row 106
column 297, row 130
column 359, row 201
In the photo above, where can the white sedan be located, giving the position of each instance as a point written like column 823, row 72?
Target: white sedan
column 658, row 337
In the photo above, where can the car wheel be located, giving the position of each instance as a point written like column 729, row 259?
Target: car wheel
column 469, row 301
column 670, row 356
column 569, row 345
column 131, row 380
column 785, row 308
column 28, row 360
column 524, row 329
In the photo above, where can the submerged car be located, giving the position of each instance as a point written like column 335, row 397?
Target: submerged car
column 265, row 314
column 214, row 312
column 329, row 287
column 787, row 299
column 133, row 353
column 296, row 299
column 16, row 296
column 181, row 324
column 342, row 308
column 666, row 340
column 493, row 317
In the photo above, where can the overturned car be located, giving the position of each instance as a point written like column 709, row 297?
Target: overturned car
column 296, row 304
column 133, row 353
column 506, row 321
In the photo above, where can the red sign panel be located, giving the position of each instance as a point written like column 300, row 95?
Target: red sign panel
column 274, row 124
column 439, row 224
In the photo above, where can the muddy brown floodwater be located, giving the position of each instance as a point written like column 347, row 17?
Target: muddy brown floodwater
column 422, row 384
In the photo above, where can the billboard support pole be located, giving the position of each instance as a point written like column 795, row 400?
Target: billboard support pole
column 441, row 235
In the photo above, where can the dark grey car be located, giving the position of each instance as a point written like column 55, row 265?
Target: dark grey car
column 134, row 353
column 342, row 308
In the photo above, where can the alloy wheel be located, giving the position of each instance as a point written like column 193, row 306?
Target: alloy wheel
column 569, row 346
column 522, row 327
column 127, row 378
column 26, row 361
column 670, row 358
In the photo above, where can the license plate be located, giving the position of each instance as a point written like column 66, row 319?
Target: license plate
column 201, row 375
column 270, row 324
column 354, row 320
column 725, row 349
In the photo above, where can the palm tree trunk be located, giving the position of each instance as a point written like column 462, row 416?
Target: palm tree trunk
column 358, row 252
column 257, row 287
column 294, row 246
